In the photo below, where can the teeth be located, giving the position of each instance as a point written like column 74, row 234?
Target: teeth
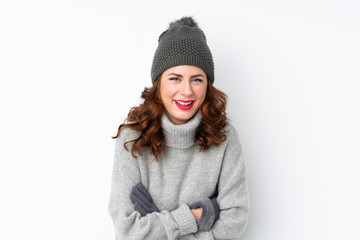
column 184, row 104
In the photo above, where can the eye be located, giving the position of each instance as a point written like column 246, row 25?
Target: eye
column 198, row 80
column 174, row 78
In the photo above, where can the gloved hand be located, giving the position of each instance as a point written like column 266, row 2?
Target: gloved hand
column 216, row 207
column 142, row 200
column 210, row 212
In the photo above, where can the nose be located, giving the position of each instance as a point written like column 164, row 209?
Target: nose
column 186, row 88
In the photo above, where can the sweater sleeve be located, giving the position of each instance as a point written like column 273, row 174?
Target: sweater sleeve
column 128, row 223
column 233, row 197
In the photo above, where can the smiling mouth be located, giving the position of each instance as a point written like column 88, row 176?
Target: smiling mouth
column 185, row 103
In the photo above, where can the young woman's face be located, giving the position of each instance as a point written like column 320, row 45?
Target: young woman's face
column 182, row 91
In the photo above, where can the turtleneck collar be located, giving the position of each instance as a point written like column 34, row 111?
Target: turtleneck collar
column 180, row 136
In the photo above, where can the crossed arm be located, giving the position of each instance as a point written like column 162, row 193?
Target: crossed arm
column 205, row 211
column 232, row 200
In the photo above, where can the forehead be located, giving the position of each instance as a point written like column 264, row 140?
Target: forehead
column 184, row 69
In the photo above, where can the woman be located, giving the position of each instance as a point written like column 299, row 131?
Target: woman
column 179, row 170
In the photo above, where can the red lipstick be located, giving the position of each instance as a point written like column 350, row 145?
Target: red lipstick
column 184, row 107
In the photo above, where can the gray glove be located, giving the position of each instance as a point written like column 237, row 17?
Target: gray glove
column 210, row 212
column 142, row 200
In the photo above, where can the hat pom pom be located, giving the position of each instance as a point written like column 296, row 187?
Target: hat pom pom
column 184, row 21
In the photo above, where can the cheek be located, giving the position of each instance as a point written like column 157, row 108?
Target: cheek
column 167, row 92
column 201, row 93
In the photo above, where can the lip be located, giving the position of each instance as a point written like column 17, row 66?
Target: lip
column 184, row 107
column 184, row 101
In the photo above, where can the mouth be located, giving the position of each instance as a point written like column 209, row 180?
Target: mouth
column 184, row 104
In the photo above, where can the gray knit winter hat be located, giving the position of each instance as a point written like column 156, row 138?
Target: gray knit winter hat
column 183, row 43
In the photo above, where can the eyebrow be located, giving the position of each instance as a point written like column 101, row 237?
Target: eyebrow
column 179, row 75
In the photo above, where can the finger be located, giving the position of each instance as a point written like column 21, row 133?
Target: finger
column 138, row 197
column 154, row 208
column 195, row 205
column 216, row 208
column 140, row 209
column 214, row 197
column 144, row 191
column 134, row 198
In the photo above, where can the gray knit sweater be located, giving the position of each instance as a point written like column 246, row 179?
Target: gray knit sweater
column 182, row 176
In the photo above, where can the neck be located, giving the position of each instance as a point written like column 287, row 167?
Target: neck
column 180, row 136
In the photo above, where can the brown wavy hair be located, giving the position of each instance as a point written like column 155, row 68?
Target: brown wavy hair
column 146, row 118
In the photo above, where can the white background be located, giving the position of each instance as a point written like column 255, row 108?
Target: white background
column 71, row 70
